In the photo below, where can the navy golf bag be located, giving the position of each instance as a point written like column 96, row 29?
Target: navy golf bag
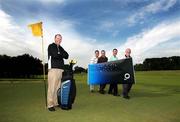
column 67, row 92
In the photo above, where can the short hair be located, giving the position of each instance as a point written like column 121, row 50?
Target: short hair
column 115, row 49
column 103, row 51
column 57, row 35
column 96, row 51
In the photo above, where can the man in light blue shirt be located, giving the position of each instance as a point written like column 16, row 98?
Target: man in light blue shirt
column 113, row 88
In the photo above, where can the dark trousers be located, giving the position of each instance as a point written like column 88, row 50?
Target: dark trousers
column 113, row 89
column 126, row 89
column 102, row 87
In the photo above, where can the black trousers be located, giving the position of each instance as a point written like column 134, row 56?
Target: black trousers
column 102, row 87
column 113, row 88
column 126, row 89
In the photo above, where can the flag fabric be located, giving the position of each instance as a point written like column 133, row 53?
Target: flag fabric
column 119, row 71
column 36, row 29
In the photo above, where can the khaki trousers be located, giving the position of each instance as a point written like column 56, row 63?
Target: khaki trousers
column 54, row 83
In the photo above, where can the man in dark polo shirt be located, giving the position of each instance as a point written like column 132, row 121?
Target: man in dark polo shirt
column 127, row 87
column 56, row 56
column 102, row 59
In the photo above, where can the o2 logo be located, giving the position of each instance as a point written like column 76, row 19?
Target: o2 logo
column 127, row 76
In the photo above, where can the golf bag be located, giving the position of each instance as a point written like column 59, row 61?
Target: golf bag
column 67, row 92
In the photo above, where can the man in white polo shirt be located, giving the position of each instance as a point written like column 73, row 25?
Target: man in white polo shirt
column 94, row 61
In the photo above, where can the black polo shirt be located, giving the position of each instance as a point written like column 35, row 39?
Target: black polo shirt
column 102, row 59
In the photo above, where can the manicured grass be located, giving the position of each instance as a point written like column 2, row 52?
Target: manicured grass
column 154, row 98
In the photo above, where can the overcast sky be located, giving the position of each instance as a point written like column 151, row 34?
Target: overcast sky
column 151, row 28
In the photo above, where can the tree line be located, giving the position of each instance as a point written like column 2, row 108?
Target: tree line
column 164, row 63
column 26, row 66
column 22, row 66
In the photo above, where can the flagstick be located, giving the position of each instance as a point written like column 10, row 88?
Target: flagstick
column 45, row 91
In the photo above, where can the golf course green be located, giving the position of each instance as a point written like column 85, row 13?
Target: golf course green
column 154, row 98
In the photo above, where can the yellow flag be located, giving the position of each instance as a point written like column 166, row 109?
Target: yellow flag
column 36, row 29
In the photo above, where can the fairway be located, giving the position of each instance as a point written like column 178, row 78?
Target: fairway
column 154, row 98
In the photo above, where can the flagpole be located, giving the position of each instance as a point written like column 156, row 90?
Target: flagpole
column 44, row 76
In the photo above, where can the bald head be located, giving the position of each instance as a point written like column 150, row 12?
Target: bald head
column 128, row 52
